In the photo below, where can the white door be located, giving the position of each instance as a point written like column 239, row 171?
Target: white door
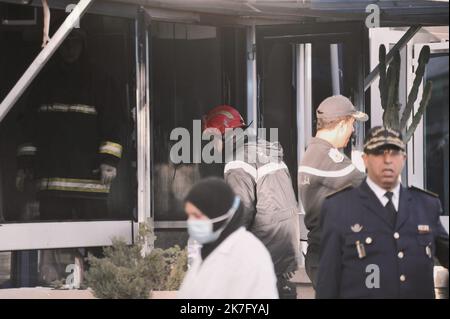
column 431, row 139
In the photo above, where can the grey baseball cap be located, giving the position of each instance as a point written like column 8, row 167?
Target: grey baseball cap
column 337, row 106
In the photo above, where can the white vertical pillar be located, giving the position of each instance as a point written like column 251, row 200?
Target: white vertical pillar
column 334, row 63
column 252, row 83
column 300, row 80
column 143, row 126
column 308, row 92
column 304, row 97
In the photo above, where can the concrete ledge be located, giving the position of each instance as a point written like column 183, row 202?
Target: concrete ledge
column 49, row 293
column 44, row 293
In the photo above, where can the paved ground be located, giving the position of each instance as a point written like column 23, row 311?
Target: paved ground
column 304, row 291
column 5, row 262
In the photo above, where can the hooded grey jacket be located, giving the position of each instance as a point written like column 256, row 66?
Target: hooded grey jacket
column 257, row 173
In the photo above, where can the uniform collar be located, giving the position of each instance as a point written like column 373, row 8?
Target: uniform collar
column 379, row 192
column 318, row 140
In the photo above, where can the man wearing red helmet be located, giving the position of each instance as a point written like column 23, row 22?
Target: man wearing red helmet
column 256, row 172
column 223, row 117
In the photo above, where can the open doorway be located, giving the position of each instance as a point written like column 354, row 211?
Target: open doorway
column 298, row 67
column 193, row 68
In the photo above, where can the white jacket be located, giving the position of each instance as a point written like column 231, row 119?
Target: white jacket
column 239, row 268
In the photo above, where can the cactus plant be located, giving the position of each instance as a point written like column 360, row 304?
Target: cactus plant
column 389, row 86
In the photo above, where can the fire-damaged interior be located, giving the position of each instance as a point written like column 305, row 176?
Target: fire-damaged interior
column 109, row 46
column 194, row 68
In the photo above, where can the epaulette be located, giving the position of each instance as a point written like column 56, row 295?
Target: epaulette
column 414, row 188
column 345, row 188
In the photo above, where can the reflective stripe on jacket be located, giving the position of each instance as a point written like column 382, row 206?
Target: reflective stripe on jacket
column 263, row 182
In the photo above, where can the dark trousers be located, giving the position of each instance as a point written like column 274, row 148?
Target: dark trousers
column 286, row 289
column 312, row 263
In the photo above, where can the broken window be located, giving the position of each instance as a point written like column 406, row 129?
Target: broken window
column 67, row 146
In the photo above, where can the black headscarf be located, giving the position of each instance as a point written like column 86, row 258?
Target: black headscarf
column 213, row 197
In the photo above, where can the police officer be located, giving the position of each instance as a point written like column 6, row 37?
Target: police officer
column 324, row 169
column 379, row 239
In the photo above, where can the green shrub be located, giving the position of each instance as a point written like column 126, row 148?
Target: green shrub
column 177, row 266
column 125, row 273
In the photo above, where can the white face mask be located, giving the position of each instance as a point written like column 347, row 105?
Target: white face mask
column 201, row 230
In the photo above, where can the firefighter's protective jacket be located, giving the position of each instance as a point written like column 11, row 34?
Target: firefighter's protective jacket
column 259, row 176
column 71, row 126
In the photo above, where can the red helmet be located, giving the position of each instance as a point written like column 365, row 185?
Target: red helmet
column 222, row 117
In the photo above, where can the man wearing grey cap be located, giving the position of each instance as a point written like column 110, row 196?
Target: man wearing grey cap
column 324, row 169
column 379, row 239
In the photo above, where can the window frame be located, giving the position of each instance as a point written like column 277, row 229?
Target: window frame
column 16, row 236
column 416, row 157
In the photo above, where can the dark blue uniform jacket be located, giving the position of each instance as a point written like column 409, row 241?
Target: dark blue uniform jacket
column 364, row 256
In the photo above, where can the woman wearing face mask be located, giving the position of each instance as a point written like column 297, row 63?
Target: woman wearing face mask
column 233, row 263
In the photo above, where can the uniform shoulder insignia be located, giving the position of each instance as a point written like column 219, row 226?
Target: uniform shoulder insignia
column 335, row 155
column 345, row 188
column 414, row 188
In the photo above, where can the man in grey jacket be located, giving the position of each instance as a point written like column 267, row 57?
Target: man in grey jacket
column 256, row 172
column 324, row 169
